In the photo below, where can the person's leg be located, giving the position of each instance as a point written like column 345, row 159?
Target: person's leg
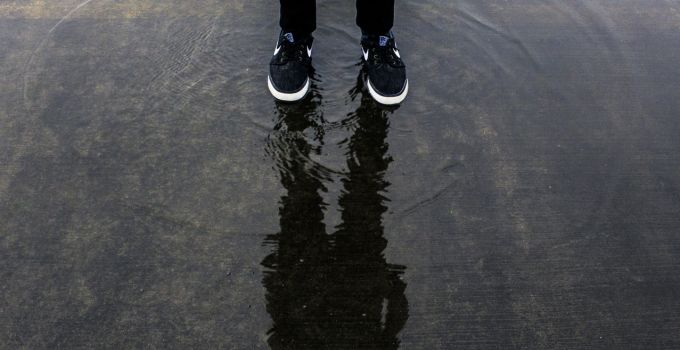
column 386, row 73
column 291, row 65
column 375, row 17
column 298, row 16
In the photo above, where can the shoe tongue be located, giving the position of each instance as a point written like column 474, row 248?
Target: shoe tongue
column 289, row 37
column 382, row 40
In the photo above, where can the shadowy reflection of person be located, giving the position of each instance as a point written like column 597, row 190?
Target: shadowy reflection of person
column 332, row 291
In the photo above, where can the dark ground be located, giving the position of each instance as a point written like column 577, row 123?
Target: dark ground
column 525, row 196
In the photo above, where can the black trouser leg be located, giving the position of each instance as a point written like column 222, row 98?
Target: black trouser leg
column 375, row 16
column 298, row 16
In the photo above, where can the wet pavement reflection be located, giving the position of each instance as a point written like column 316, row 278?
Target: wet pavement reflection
column 332, row 290
column 525, row 196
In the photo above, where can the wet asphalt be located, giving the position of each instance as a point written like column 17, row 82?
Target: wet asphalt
column 526, row 195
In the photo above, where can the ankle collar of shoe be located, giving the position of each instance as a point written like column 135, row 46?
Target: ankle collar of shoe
column 375, row 38
column 297, row 37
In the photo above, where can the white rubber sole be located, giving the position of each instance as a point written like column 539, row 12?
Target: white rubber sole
column 387, row 100
column 288, row 97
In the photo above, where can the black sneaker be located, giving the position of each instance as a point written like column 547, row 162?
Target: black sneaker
column 386, row 81
column 290, row 67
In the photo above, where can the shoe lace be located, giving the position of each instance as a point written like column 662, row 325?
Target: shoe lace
column 385, row 55
column 293, row 52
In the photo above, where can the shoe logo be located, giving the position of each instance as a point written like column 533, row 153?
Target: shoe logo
column 396, row 52
column 289, row 37
column 365, row 54
column 383, row 40
column 277, row 49
column 309, row 51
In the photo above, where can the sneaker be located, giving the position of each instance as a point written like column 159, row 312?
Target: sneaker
column 290, row 67
column 386, row 80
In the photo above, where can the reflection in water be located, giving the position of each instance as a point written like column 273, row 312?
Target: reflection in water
column 332, row 291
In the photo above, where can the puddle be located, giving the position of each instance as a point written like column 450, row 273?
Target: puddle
column 525, row 195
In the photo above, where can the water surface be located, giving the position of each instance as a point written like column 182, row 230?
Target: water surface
column 525, row 196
